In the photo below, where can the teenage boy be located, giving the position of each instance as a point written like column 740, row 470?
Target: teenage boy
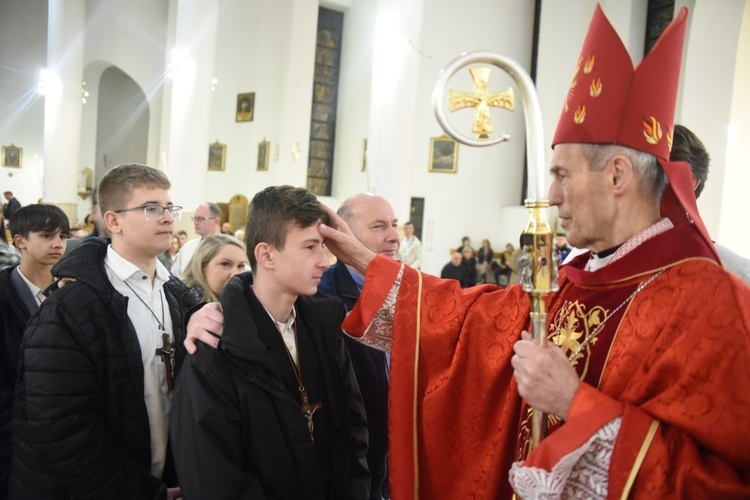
column 39, row 233
column 98, row 360
column 275, row 411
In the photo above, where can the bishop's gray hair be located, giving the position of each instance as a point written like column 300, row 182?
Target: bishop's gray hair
column 651, row 173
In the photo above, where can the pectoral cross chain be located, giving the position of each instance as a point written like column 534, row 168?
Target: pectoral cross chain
column 166, row 351
column 308, row 409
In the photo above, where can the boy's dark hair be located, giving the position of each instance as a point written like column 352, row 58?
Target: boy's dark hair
column 39, row 218
column 117, row 185
column 274, row 211
column 687, row 147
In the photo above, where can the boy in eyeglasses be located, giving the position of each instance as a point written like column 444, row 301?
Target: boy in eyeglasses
column 98, row 361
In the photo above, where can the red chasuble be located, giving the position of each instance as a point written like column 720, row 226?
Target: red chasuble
column 673, row 361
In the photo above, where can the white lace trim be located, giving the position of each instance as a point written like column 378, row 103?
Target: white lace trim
column 582, row 473
column 379, row 333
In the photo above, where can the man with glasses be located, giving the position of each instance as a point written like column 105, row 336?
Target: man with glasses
column 207, row 222
column 98, row 360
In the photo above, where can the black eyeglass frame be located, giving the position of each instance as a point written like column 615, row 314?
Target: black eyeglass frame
column 174, row 210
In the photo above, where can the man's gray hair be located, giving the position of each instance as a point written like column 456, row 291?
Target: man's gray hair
column 652, row 175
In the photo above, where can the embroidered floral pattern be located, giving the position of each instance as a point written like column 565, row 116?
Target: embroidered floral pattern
column 379, row 333
column 583, row 473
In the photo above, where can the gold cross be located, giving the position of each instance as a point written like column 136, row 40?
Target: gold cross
column 481, row 100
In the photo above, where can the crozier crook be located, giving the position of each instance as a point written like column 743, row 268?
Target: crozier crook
column 536, row 239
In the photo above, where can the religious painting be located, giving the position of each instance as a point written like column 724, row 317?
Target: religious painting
column 12, row 156
column 263, row 152
column 443, row 154
column 364, row 155
column 245, row 107
column 217, row 153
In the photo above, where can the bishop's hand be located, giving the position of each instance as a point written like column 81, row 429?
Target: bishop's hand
column 342, row 243
column 546, row 380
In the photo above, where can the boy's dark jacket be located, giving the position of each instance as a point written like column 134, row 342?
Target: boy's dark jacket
column 82, row 429
column 238, row 432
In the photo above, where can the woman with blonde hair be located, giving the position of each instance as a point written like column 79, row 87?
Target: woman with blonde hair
column 216, row 259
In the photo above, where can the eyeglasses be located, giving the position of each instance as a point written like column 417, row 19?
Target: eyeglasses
column 155, row 212
column 198, row 218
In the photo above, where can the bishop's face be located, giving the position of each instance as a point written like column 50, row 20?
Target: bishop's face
column 584, row 202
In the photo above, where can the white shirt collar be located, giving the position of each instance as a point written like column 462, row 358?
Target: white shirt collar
column 35, row 290
column 124, row 269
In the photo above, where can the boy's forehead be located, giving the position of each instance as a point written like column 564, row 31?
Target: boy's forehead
column 145, row 194
column 298, row 233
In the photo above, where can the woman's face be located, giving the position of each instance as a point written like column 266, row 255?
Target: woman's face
column 228, row 261
column 175, row 245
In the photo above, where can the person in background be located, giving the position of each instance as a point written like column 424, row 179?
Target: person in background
column 40, row 232
column 469, row 264
column 687, row 147
column 275, row 411
column 182, row 237
column 465, row 242
column 484, row 261
column 410, row 252
column 226, row 228
column 167, row 256
column 207, row 223
column 12, row 204
column 454, row 269
column 214, row 262
column 9, row 255
column 373, row 222
column 561, row 249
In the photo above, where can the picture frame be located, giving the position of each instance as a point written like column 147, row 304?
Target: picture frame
column 364, row 155
column 245, row 109
column 264, row 148
column 217, row 153
column 12, row 156
column 443, row 154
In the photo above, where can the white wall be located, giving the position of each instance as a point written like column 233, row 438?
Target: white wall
column 267, row 47
column 23, row 53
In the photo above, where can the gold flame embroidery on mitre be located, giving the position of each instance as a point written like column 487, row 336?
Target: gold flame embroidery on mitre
column 670, row 138
column 589, row 64
column 580, row 114
column 596, row 87
column 651, row 130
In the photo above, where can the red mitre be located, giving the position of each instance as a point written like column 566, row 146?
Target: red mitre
column 611, row 102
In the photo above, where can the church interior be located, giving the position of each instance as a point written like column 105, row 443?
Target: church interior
column 230, row 96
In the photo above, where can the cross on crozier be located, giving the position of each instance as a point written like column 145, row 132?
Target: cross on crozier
column 481, row 100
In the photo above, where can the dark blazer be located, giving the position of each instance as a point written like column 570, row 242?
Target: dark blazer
column 16, row 306
column 237, row 429
column 370, row 368
column 81, row 424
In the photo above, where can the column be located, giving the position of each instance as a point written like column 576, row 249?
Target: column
column 187, row 102
column 62, row 103
column 395, row 75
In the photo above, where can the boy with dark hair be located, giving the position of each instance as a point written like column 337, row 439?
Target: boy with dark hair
column 40, row 233
column 275, row 411
column 98, row 360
